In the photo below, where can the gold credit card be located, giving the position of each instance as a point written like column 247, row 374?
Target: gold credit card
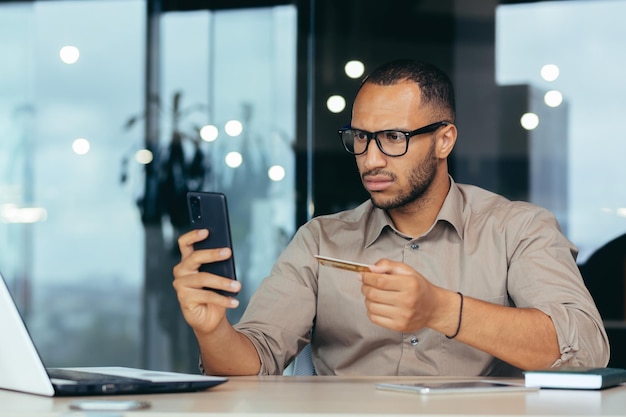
column 343, row 264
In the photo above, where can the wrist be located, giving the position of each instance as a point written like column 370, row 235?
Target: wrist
column 209, row 333
column 445, row 317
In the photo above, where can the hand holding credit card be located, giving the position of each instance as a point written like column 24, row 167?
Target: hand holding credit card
column 343, row 264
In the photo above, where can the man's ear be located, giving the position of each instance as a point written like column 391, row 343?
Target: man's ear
column 446, row 138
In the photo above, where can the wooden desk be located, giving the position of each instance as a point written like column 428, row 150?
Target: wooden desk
column 336, row 396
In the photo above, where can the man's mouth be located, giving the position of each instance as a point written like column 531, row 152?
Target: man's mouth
column 377, row 182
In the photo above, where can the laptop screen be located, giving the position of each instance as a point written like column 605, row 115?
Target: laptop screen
column 21, row 368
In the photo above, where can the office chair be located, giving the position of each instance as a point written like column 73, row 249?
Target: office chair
column 604, row 274
column 302, row 364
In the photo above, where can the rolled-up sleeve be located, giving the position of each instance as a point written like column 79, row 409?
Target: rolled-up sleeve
column 543, row 274
column 281, row 313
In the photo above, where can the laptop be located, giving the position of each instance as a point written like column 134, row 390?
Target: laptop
column 21, row 368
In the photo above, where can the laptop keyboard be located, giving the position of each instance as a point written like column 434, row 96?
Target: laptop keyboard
column 89, row 377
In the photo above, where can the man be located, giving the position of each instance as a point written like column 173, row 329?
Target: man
column 463, row 282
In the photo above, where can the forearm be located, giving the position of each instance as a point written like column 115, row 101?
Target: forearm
column 225, row 351
column 523, row 337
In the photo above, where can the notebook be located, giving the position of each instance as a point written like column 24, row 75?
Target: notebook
column 21, row 367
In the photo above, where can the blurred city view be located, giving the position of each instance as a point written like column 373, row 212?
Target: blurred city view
column 91, row 325
column 93, row 178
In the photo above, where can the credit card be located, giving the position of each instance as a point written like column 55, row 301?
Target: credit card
column 343, row 264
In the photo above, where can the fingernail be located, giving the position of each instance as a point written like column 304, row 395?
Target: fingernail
column 234, row 302
column 224, row 252
column 235, row 285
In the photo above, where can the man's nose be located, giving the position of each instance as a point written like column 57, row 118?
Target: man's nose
column 374, row 157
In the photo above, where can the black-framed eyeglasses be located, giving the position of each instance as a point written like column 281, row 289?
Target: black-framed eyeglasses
column 390, row 142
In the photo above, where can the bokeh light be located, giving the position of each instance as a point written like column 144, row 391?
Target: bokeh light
column 276, row 173
column 550, row 72
column 144, row 156
column 233, row 128
column 336, row 104
column 209, row 133
column 69, row 54
column 233, row 159
column 529, row 121
column 553, row 98
column 80, row 146
column 354, row 69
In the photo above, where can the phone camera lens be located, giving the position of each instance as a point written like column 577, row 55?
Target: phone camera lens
column 196, row 213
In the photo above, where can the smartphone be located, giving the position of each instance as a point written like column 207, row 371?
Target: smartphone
column 456, row 387
column 342, row 264
column 208, row 210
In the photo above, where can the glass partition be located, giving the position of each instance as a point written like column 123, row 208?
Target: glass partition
column 77, row 249
column 566, row 76
column 236, row 79
column 71, row 248
column 575, row 80
column 227, row 124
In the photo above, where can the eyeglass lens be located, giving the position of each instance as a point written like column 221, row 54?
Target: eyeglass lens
column 390, row 142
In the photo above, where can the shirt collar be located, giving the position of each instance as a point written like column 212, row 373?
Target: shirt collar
column 451, row 212
column 452, row 209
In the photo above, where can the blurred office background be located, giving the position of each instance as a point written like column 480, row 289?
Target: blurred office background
column 110, row 110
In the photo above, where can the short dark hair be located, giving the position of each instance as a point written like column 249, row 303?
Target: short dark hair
column 436, row 88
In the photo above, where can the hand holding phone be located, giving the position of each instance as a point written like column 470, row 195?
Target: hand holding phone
column 208, row 210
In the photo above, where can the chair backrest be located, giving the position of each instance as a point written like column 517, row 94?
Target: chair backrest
column 605, row 277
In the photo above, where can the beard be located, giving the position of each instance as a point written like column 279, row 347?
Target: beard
column 420, row 179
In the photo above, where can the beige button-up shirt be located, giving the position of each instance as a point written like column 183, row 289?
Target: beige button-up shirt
column 483, row 245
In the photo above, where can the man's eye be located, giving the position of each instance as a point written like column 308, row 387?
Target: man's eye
column 360, row 135
column 394, row 136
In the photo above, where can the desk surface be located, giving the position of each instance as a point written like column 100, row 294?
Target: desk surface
column 336, row 396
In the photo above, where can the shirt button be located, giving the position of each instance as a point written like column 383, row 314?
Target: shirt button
column 415, row 246
column 414, row 341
